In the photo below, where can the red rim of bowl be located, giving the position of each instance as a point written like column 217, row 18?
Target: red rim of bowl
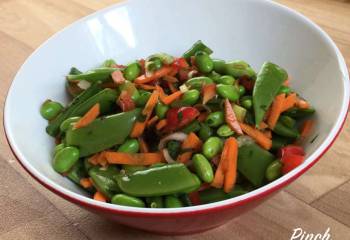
column 257, row 196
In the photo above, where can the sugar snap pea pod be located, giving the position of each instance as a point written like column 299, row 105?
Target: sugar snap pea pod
column 133, row 168
column 158, row 181
column 195, row 126
column 299, row 113
column 215, row 195
column 77, row 172
column 197, row 46
column 239, row 68
column 108, row 63
column 99, row 74
column 172, row 201
column 214, row 76
column 103, row 179
column 155, row 202
column 126, row 200
column 278, row 142
column 253, row 162
column 54, row 126
column 287, row 121
column 285, row 131
column 269, row 80
column 219, row 66
column 101, row 133
column 198, row 82
column 132, row 71
column 131, row 89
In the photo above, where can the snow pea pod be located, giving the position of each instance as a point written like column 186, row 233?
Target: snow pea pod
column 285, row 131
column 195, row 126
column 299, row 112
column 54, row 126
column 219, row 66
column 253, row 162
column 197, row 46
column 172, row 202
column 99, row 74
column 158, row 181
column 133, row 168
column 214, row 194
column 239, row 68
column 198, row 82
column 203, row 62
column 278, row 142
column 125, row 200
column 103, row 180
column 269, row 80
column 287, row 121
column 77, row 172
column 155, row 202
column 101, row 133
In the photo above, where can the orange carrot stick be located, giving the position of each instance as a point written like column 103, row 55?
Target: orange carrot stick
column 152, row 121
column 133, row 158
column 231, row 158
column 268, row 133
column 257, row 135
column 98, row 196
column 289, row 102
column 151, row 103
column 143, row 146
column 170, row 79
column 172, row 87
column 303, row 104
column 156, row 75
column 208, row 92
column 276, row 110
column 263, row 126
column 85, row 182
column 231, row 119
column 219, row 176
column 145, row 86
column 138, row 129
column 306, row 128
column 89, row 117
column 161, row 124
column 191, row 143
column 172, row 97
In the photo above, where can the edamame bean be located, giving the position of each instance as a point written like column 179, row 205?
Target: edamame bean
column 172, row 202
column 247, row 102
column 155, row 202
column 154, row 64
column 284, row 89
column 192, row 127
column 126, row 200
column 273, row 171
column 219, row 66
column 203, row 62
column 143, row 98
column 212, row 147
column 198, row 82
column 228, row 91
column 161, row 110
column 132, row 71
column 190, row 97
column 227, row 80
column 205, row 132
column 287, row 121
column 58, row 148
column 50, row 109
column 215, row 119
column 241, row 90
column 203, row 168
column 65, row 159
column 68, row 123
column 214, row 76
column 130, row 146
column 224, row 131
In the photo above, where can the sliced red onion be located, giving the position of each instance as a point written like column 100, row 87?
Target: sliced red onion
column 167, row 156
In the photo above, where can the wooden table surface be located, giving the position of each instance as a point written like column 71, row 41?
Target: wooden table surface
column 318, row 200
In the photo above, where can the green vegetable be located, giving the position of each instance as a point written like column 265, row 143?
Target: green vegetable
column 238, row 69
column 205, row 132
column 227, row 91
column 143, row 98
column 278, row 142
column 132, row 71
column 68, row 123
column 174, row 148
column 215, row 119
column 204, row 62
column 65, row 159
column 103, row 179
column 247, row 102
column 77, row 172
column 172, row 202
column 284, row 89
column 108, row 63
column 163, row 57
column 131, row 89
column 99, row 74
column 50, row 109
column 198, row 46
column 58, row 147
column 299, row 112
column 214, row 76
column 158, row 181
column 274, row 170
column 155, row 202
column 133, row 168
column 130, row 146
column 154, row 64
column 219, row 66
column 198, row 82
column 285, row 131
column 269, row 80
column 161, row 110
column 226, row 79
column 194, row 126
column 287, row 121
column 239, row 112
column 215, row 195
column 75, row 71
column 241, row 90
column 203, row 168
column 99, row 136
column 126, row 200
column 253, row 162
column 190, row 97
column 212, row 147
column 224, row 131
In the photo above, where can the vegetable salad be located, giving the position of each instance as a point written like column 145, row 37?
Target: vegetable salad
column 167, row 131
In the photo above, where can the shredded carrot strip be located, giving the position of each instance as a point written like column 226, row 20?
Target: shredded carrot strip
column 303, row 104
column 98, row 196
column 133, row 158
column 191, row 143
column 145, row 86
column 151, row 103
column 257, row 135
column 170, row 79
column 138, row 129
column 208, row 92
column 85, row 183
column 230, row 118
column 289, row 102
column 306, row 128
column 156, row 75
column 94, row 159
column 172, row 87
column 89, row 117
column 171, row 98
column 263, row 126
column 231, row 171
column 161, row 124
column 219, row 176
column 152, row 121
column 143, row 146
column 268, row 134
column 276, row 110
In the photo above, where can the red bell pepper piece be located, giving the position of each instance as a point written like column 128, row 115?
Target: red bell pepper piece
column 291, row 157
column 180, row 117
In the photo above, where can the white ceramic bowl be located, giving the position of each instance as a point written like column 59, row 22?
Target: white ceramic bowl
column 253, row 30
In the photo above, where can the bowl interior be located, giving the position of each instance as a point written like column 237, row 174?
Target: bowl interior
column 253, row 30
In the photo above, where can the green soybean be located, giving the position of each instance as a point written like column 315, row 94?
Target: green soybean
column 203, row 62
column 172, row 202
column 214, row 76
column 239, row 68
column 50, row 109
column 107, row 63
column 155, row 202
column 215, row 119
column 219, row 66
column 130, row 146
column 161, row 110
column 212, row 147
column 205, row 132
column 132, row 71
column 287, row 121
column 65, row 159
column 190, row 97
column 228, row 91
column 58, row 148
column 198, row 82
column 203, row 168
column 274, row 170
column 126, row 200
column 224, row 131
column 68, row 123
column 227, row 80
column 192, row 127
column 241, row 90
column 154, row 64
column 143, row 98
column 246, row 102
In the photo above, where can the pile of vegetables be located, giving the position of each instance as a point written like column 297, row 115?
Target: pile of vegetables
column 166, row 132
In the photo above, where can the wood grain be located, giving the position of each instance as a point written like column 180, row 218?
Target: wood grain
column 317, row 200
